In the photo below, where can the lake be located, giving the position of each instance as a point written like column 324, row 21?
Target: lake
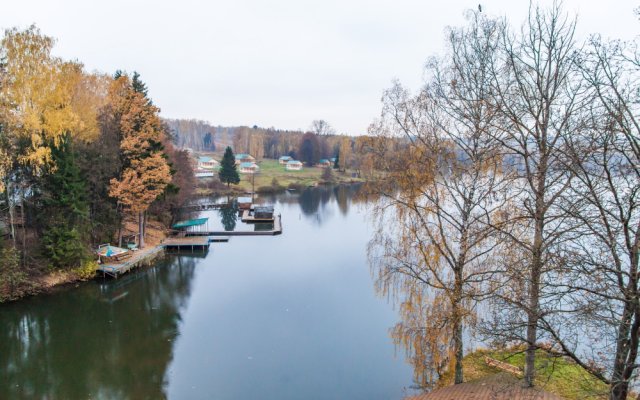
column 285, row 317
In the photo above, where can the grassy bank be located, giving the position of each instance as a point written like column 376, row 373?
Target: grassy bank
column 270, row 170
column 557, row 375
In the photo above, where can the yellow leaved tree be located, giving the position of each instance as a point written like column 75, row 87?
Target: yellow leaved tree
column 42, row 100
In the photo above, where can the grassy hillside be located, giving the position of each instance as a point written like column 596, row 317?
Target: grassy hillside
column 270, row 169
column 554, row 374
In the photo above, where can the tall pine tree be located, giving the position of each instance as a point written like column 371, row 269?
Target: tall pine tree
column 228, row 172
column 64, row 210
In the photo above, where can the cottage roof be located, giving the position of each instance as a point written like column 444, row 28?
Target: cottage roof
column 323, row 161
column 240, row 156
column 248, row 165
column 244, row 200
column 284, row 158
column 205, row 159
column 293, row 162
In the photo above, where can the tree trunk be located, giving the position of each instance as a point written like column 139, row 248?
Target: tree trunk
column 141, row 228
column 458, row 346
column 532, row 331
column 533, row 309
column 11, row 211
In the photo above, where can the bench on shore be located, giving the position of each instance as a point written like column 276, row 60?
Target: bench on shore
column 503, row 366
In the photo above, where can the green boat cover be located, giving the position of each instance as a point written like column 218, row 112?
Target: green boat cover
column 190, row 222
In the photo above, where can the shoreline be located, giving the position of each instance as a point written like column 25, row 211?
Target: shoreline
column 56, row 281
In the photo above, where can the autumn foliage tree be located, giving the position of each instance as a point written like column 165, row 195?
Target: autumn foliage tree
column 146, row 172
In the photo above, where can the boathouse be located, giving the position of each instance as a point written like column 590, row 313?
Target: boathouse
column 192, row 225
column 263, row 212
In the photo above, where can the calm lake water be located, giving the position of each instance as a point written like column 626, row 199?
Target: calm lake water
column 293, row 316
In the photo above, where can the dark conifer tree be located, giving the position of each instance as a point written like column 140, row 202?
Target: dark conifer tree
column 228, row 171
column 138, row 85
column 64, row 210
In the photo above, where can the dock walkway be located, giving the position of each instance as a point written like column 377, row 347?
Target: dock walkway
column 277, row 230
column 187, row 242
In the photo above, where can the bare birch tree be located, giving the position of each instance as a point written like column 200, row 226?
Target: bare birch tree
column 601, row 287
column 440, row 198
column 537, row 98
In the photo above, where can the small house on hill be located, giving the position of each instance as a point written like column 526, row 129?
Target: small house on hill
column 244, row 158
column 324, row 163
column 293, row 165
column 284, row 160
column 207, row 163
column 248, row 168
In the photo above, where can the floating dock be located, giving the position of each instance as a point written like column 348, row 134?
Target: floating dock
column 247, row 217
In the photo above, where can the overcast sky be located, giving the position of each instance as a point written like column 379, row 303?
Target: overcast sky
column 276, row 63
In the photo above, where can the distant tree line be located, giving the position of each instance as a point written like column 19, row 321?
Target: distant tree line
column 320, row 142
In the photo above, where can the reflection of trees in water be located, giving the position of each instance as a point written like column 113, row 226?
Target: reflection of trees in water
column 343, row 196
column 309, row 200
column 229, row 216
column 110, row 342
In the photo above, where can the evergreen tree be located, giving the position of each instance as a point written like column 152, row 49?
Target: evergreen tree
column 138, row 85
column 228, row 171
column 64, row 210
column 336, row 163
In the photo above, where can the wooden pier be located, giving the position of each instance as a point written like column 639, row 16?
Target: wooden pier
column 139, row 257
column 192, row 243
column 277, row 230
column 204, row 206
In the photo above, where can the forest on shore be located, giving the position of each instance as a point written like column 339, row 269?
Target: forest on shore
column 81, row 154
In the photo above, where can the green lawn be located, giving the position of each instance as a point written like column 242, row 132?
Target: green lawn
column 270, row 169
column 554, row 374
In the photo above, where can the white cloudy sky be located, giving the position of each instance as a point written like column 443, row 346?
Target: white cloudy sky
column 280, row 63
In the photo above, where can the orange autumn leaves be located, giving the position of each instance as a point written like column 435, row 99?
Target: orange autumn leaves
column 146, row 173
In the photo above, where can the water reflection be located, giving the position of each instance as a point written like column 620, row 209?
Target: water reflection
column 111, row 340
column 229, row 216
column 269, row 317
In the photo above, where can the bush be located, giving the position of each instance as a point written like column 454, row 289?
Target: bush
column 327, row 175
column 274, row 188
column 87, row 270
column 13, row 279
